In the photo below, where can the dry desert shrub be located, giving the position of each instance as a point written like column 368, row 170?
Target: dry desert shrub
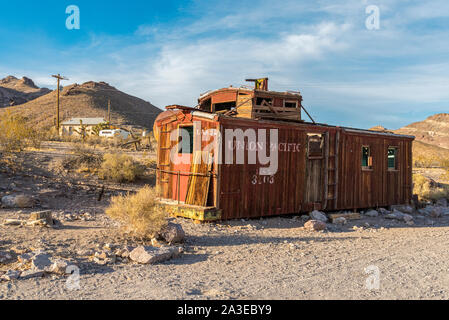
column 119, row 167
column 82, row 159
column 16, row 134
column 139, row 213
column 428, row 189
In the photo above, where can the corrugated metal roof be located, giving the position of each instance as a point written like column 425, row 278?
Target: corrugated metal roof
column 86, row 121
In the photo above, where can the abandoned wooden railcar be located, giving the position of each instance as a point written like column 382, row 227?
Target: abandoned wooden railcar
column 317, row 166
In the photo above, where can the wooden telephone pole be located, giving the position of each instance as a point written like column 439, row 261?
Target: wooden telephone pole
column 59, row 78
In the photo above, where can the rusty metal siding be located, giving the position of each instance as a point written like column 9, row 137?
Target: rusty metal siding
column 355, row 188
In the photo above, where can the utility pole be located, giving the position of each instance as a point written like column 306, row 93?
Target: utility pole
column 59, row 78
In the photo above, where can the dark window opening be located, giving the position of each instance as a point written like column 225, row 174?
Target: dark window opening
column 185, row 146
column 392, row 158
column 224, row 106
column 206, row 105
column 315, row 145
column 367, row 159
column 259, row 101
column 291, row 104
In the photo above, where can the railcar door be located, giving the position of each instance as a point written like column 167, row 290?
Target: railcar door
column 315, row 171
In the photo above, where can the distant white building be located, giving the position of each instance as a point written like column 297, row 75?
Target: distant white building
column 73, row 126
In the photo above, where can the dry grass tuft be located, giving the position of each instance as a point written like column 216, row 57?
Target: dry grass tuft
column 119, row 167
column 139, row 213
column 428, row 189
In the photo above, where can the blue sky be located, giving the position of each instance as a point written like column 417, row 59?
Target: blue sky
column 169, row 52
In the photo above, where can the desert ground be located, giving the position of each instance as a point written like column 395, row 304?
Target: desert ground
column 273, row 258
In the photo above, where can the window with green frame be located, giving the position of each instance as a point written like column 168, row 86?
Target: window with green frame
column 392, row 158
column 185, row 145
column 366, row 157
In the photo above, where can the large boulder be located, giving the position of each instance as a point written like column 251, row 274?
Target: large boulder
column 41, row 262
column 372, row 213
column 18, row 201
column 395, row 215
column 152, row 255
column 318, row 215
column 173, row 233
column 315, row 225
column 402, row 208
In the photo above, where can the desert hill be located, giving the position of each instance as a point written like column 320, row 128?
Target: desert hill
column 427, row 154
column 88, row 100
column 15, row 91
column 434, row 130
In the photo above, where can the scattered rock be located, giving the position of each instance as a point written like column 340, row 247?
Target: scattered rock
column 402, row 208
column 10, row 275
column 85, row 252
column 152, row 255
column 41, row 262
column 124, row 252
column 25, row 258
column 29, row 274
column 372, row 213
column 59, row 266
column 5, row 257
column 12, row 222
column 442, row 202
column 318, row 215
column 315, row 225
column 46, row 216
column 436, row 212
column 173, row 233
column 383, row 211
column 407, row 218
column 19, row 201
column 396, row 215
column 340, row 221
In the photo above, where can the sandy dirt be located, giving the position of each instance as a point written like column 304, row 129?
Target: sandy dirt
column 252, row 259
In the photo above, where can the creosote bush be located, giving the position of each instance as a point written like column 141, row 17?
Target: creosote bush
column 119, row 167
column 139, row 213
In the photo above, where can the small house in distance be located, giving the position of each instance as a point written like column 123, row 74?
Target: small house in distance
column 73, row 126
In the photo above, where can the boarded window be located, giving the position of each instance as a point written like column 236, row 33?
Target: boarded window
column 367, row 159
column 185, row 145
column 392, row 158
column 262, row 101
column 315, row 145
